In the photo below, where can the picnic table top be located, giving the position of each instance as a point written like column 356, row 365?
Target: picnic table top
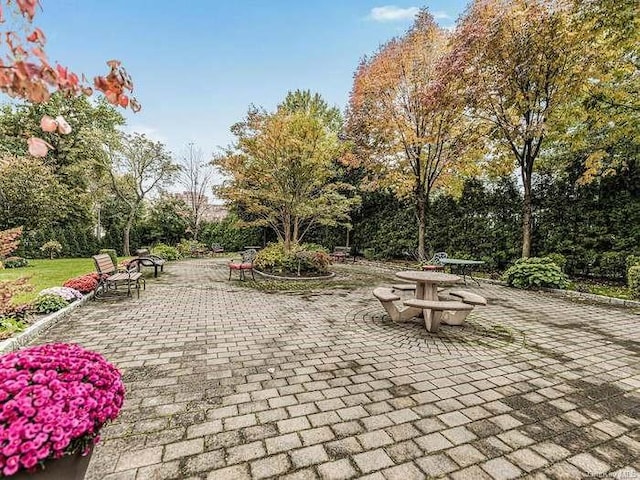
column 428, row 276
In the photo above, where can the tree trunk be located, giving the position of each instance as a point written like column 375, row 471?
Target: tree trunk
column 196, row 227
column 526, row 217
column 127, row 231
column 421, row 213
column 296, row 231
column 287, row 233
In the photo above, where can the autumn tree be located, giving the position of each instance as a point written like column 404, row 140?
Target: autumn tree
column 521, row 63
column 195, row 177
column 280, row 173
column 304, row 101
column 600, row 125
column 137, row 166
column 406, row 117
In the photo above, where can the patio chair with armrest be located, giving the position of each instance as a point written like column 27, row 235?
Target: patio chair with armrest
column 245, row 263
column 435, row 263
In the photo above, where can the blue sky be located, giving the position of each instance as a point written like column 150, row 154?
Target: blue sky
column 198, row 64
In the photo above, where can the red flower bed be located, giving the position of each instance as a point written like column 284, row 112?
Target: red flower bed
column 54, row 399
column 85, row 283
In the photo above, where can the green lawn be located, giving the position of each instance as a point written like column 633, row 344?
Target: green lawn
column 47, row 273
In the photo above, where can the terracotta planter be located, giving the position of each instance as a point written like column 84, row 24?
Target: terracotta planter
column 69, row 467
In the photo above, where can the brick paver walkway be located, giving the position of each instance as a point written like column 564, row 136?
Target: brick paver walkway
column 228, row 382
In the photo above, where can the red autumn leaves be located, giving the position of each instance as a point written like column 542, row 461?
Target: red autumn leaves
column 26, row 73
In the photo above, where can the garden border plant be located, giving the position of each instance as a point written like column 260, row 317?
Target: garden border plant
column 88, row 393
column 535, row 272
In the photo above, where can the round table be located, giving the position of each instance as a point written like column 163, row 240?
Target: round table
column 427, row 282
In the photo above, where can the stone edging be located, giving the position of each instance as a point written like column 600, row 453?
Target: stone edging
column 573, row 293
column 276, row 277
column 48, row 321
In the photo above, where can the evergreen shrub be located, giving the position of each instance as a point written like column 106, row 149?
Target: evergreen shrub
column 15, row 262
column 166, row 251
column 633, row 279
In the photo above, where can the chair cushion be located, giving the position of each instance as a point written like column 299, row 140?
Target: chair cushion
column 241, row 266
column 433, row 267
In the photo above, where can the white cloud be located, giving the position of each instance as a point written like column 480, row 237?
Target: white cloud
column 440, row 15
column 391, row 13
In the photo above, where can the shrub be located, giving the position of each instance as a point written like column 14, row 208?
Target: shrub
column 112, row 253
column 559, row 259
column 191, row 248
column 632, row 261
column 11, row 325
column 51, row 248
column 69, row 294
column 633, row 279
column 15, row 262
column 8, row 289
column 612, row 264
column 18, row 312
column 229, row 234
column 369, row 253
column 304, row 259
column 166, row 251
column 534, row 273
column 84, row 284
column 55, row 399
column 48, row 303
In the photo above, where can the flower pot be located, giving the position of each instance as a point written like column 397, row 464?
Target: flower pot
column 69, row 467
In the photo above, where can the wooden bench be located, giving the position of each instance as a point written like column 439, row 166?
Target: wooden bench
column 110, row 277
column 340, row 254
column 387, row 297
column 432, row 310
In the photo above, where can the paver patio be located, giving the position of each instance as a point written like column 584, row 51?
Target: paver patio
column 227, row 382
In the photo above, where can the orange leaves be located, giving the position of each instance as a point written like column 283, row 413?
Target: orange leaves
column 26, row 72
column 28, row 8
column 406, row 116
column 37, row 37
column 115, row 84
column 9, row 241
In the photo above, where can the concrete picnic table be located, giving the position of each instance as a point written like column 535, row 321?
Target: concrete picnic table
column 427, row 299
